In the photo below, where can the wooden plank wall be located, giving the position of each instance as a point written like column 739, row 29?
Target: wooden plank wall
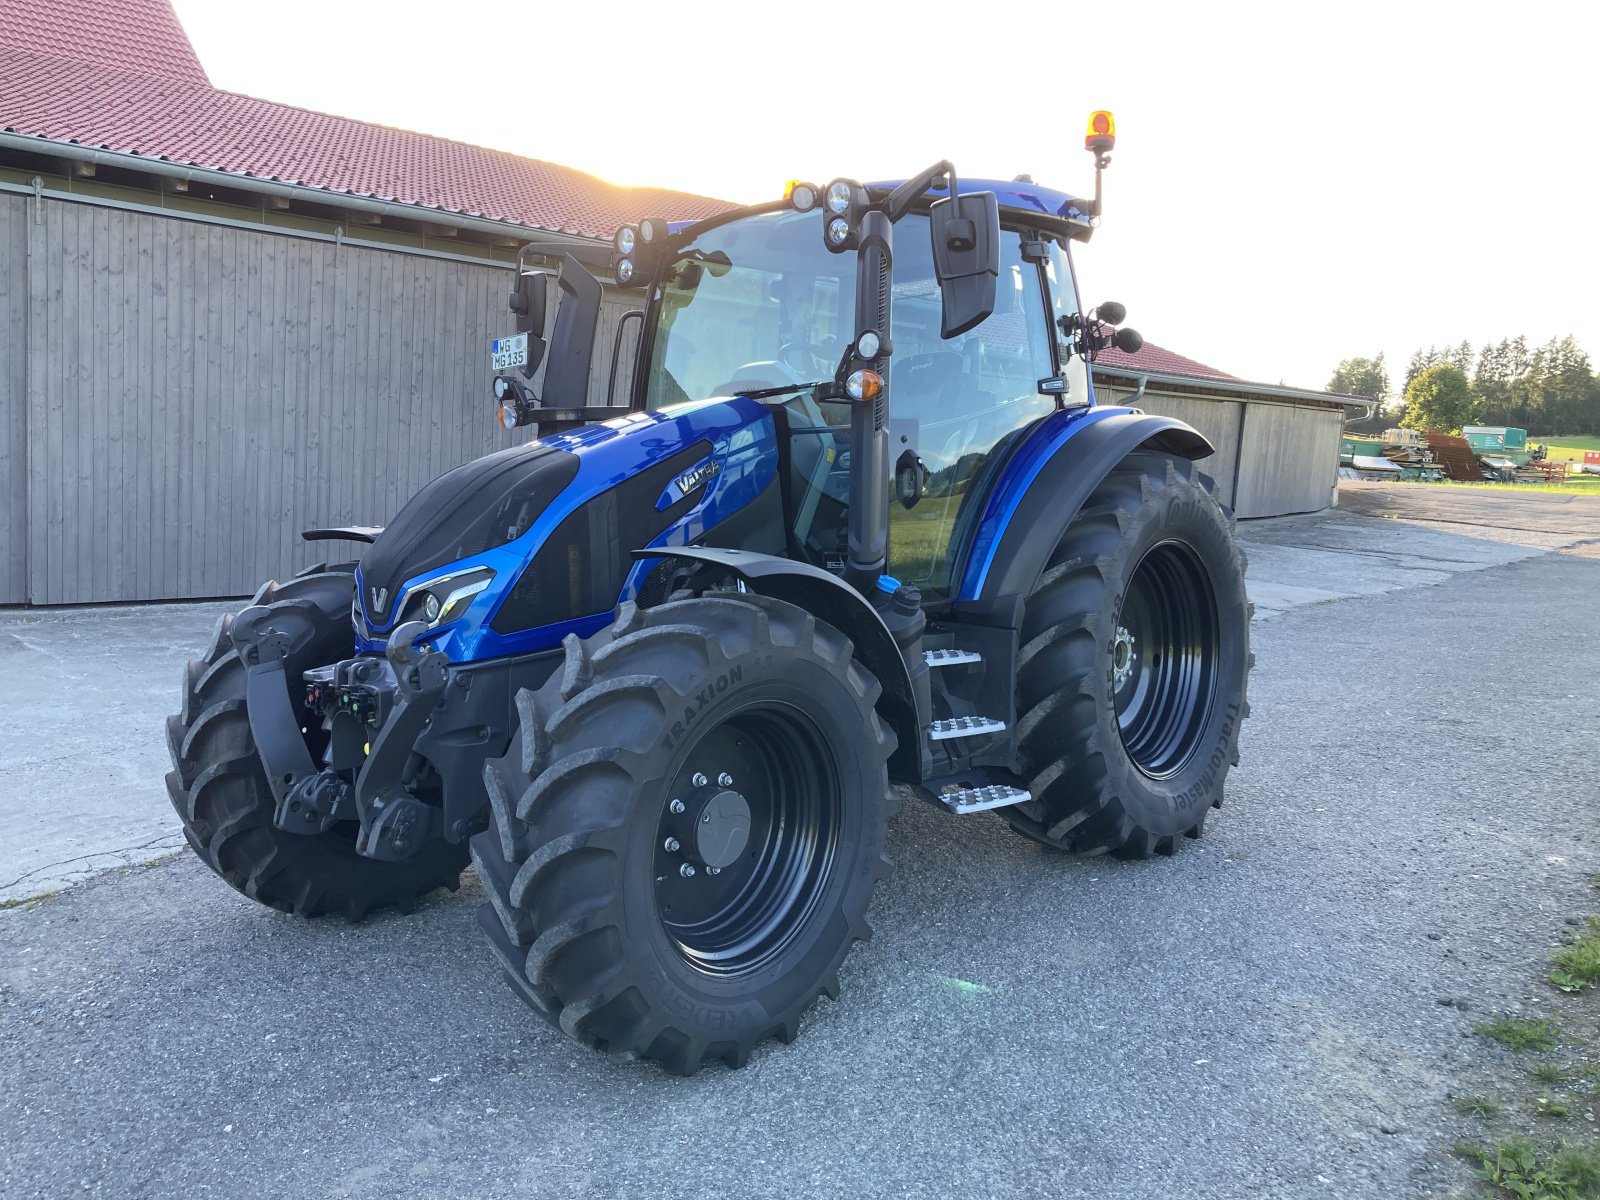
column 14, row 211
column 1291, row 457
column 197, row 394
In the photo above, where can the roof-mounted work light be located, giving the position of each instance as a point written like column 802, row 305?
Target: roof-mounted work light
column 802, row 197
column 636, row 251
column 843, row 202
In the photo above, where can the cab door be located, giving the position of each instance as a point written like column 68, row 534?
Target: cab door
column 956, row 406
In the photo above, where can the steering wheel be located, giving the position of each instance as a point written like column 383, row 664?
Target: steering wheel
column 810, row 362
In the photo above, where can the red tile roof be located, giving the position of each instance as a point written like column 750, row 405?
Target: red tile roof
column 1154, row 358
column 127, row 80
column 142, row 38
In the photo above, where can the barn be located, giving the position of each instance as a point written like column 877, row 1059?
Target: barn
column 224, row 319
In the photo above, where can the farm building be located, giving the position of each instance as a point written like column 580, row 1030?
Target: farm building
column 1277, row 448
column 213, row 304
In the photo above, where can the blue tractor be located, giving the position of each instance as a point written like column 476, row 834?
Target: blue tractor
column 664, row 676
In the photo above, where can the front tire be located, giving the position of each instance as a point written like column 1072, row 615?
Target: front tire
column 688, row 829
column 222, row 797
column 1132, row 672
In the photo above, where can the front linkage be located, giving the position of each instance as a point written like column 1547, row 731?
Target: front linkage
column 407, row 734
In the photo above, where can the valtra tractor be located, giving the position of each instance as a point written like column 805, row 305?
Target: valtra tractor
column 863, row 530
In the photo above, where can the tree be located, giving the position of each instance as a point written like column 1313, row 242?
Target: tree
column 1441, row 398
column 1561, row 389
column 1421, row 360
column 1362, row 377
column 1502, row 379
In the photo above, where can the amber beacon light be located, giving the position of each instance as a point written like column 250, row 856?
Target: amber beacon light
column 1102, row 135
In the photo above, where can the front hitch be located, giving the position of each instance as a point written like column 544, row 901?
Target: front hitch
column 395, row 823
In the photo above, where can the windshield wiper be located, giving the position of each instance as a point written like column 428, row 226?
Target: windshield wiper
column 763, row 393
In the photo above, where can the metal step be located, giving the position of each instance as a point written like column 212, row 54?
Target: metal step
column 960, row 727
column 950, row 658
column 996, row 795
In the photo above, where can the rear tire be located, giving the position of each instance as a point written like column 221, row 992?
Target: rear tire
column 220, row 790
column 1132, row 672
column 755, row 717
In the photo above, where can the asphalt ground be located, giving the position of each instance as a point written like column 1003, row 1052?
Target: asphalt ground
column 1259, row 1016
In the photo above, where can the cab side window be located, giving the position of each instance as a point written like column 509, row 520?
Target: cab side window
column 953, row 404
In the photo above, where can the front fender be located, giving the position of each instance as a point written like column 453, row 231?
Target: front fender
column 830, row 599
column 1041, row 490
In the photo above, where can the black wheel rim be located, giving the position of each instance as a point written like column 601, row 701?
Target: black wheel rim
column 1164, row 659
column 736, row 919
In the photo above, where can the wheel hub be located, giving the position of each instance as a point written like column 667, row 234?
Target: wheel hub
column 746, row 839
column 719, row 829
column 1122, row 656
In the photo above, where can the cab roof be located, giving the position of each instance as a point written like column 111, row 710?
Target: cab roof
column 1020, row 195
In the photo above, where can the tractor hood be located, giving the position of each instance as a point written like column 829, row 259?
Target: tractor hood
column 540, row 537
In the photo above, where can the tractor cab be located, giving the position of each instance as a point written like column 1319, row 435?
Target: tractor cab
column 756, row 305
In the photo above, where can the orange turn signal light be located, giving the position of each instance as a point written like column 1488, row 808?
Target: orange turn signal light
column 1102, row 135
column 864, row 384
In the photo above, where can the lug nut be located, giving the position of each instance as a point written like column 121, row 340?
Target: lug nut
column 676, row 806
column 713, row 870
column 699, row 779
column 725, row 780
column 686, row 870
column 671, row 845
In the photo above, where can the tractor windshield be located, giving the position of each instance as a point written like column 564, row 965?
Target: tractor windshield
column 758, row 305
column 752, row 304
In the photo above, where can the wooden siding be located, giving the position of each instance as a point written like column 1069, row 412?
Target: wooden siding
column 1214, row 418
column 197, row 394
column 13, row 412
column 1291, row 460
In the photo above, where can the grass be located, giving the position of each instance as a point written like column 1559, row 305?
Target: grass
column 1537, row 1143
column 1569, row 448
column 27, row 901
column 1476, row 1106
column 1578, row 966
column 1547, row 1072
column 1521, row 1033
column 1518, row 1167
column 1575, row 485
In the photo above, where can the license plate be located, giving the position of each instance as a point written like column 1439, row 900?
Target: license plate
column 508, row 352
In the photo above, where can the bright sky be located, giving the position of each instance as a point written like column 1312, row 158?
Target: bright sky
column 1294, row 183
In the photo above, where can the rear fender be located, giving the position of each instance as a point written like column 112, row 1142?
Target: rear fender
column 830, row 599
column 1040, row 492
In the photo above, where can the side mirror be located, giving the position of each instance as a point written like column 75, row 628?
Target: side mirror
column 966, row 258
column 1112, row 313
column 910, row 479
column 528, row 303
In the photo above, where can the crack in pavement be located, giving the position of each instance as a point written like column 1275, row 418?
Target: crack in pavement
column 174, row 837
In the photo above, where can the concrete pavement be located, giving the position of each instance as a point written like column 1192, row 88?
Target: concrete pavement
column 1257, row 1018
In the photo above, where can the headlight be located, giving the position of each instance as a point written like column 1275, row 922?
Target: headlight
column 624, row 240
column 624, row 270
column 838, row 231
column 839, row 194
column 448, row 598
